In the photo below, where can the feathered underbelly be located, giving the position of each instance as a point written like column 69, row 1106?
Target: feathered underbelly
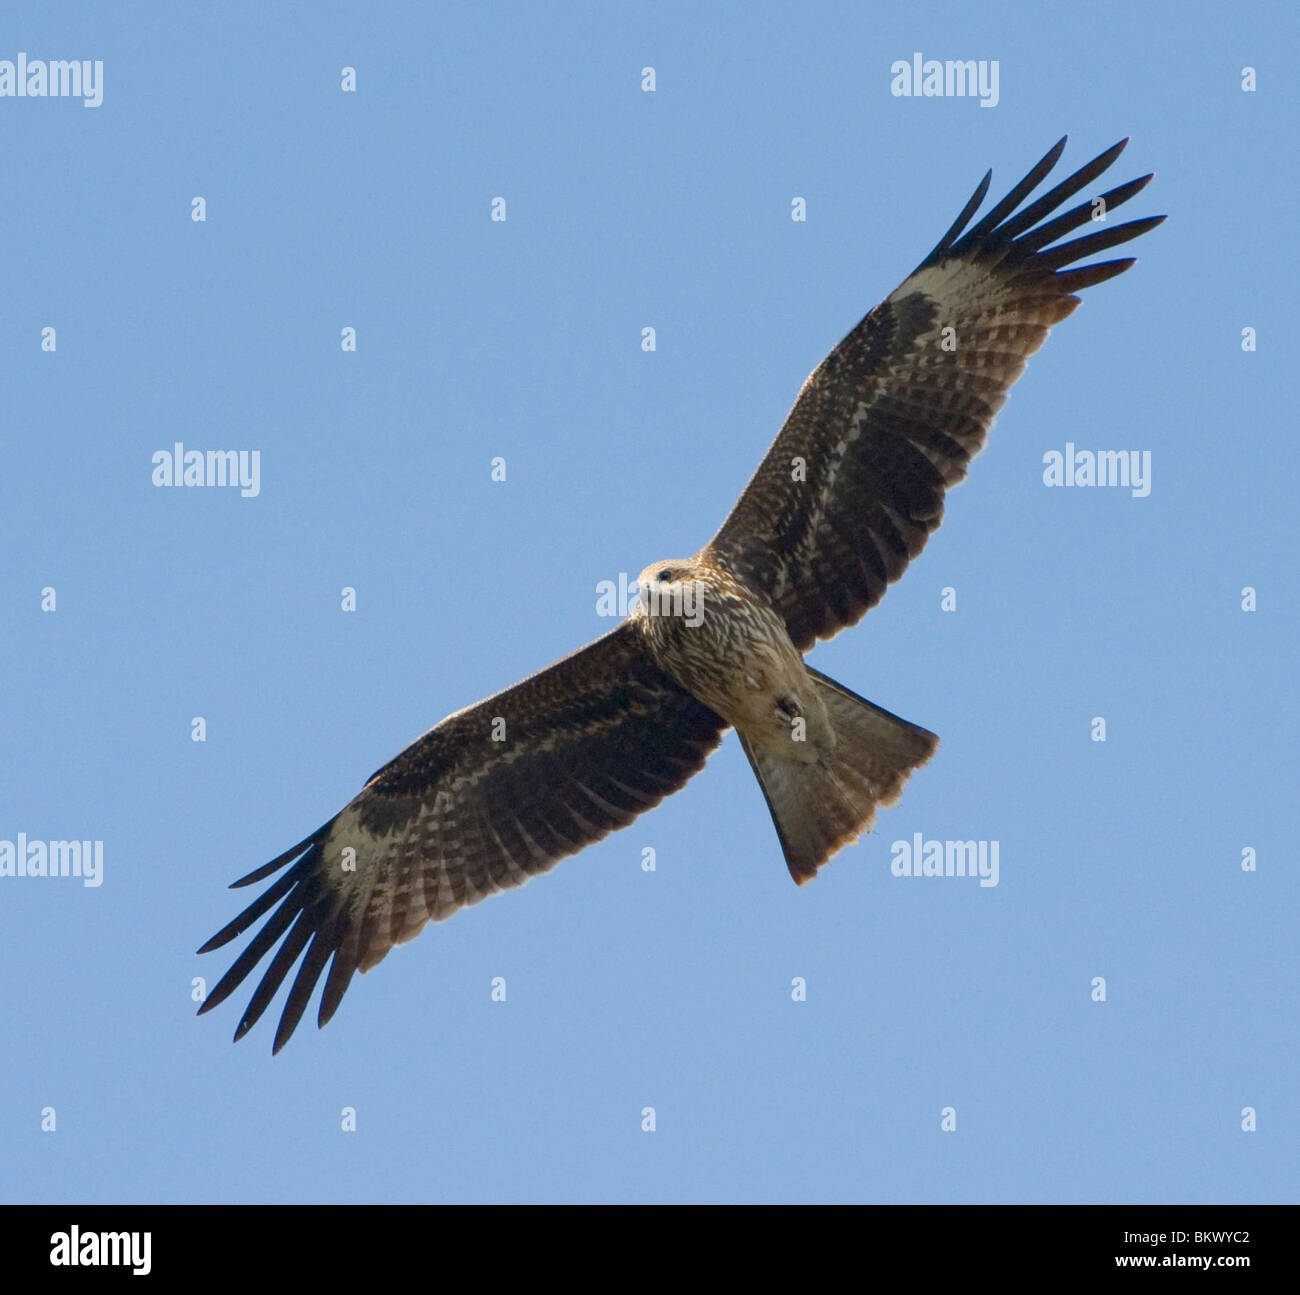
column 740, row 662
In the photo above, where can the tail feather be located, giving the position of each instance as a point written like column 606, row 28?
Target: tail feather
column 821, row 807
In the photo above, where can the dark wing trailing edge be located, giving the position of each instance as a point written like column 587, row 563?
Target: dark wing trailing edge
column 892, row 417
column 588, row 744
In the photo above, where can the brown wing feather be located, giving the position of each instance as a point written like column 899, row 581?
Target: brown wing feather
column 588, row 744
column 855, row 482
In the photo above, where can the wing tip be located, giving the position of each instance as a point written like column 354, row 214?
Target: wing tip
column 1088, row 276
column 1012, row 230
column 265, row 870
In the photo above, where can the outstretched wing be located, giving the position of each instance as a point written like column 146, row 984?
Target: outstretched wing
column 854, row 484
column 490, row 797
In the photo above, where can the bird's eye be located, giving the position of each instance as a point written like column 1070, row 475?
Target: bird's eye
column 668, row 575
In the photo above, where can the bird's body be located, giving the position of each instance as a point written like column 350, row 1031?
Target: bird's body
column 726, row 646
column 824, row 757
column 845, row 499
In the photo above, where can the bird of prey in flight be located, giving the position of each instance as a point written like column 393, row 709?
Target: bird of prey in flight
column 846, row 497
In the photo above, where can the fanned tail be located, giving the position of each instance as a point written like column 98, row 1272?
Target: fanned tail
column 821, row 807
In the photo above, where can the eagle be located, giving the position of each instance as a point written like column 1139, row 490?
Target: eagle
column 848, row 494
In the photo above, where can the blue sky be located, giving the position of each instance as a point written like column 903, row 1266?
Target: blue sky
column 522, row 339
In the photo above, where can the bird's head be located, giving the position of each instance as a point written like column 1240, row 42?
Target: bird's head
column 671, row 588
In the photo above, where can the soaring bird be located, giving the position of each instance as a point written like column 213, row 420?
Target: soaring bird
column 846, row 497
